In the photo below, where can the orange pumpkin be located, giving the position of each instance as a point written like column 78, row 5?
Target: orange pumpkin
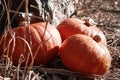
column 33, row 41
column 80, row 53
column 72, row 26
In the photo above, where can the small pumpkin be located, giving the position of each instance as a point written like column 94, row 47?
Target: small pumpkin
column 80, row 53
column 35, row 40
column 72, row 26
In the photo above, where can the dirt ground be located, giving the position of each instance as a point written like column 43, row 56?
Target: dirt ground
column 106, row 13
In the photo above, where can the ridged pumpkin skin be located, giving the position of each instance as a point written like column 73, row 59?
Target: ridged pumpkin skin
column 45, row 45
column 72, row 26
column 80, row 53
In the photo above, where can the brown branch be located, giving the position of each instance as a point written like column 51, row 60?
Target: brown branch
column 66, row 72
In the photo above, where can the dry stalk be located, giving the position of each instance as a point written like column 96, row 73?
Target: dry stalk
column 21, row 59
column 8, row 16
column 4, row 42
column 26, row 20
column 6, row 49
column 29, row 54
column 2, row 11
column 28, row 24
column 14, row 41
column 42, row 40
column 66, row 72
column 17, row 10
column 6, row 65
column 22, row 13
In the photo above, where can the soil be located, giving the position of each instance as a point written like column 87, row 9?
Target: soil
column 106, row 13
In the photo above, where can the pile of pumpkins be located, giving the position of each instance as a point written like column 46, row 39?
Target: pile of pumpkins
column 82, row 47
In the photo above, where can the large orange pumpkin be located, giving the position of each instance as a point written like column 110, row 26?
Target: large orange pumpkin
column 72, row 26
column 80, row 53
column 33, row 41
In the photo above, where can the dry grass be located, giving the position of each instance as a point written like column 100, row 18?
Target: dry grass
column 108, row 23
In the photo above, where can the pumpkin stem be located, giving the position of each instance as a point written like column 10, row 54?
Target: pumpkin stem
column 97, row 38
column 89, row 22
